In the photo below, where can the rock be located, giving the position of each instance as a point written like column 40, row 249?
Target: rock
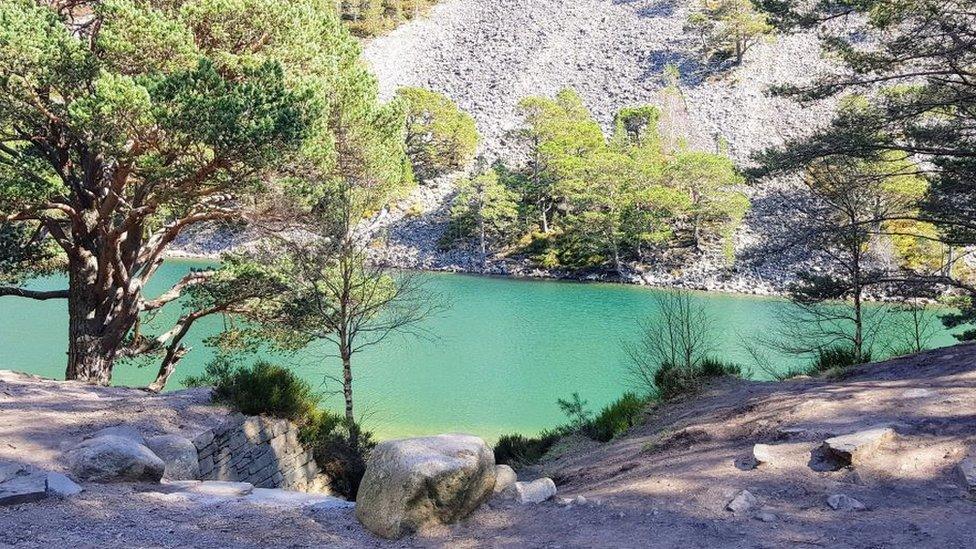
column 410, row 483
column 537, row 491
column 765, row 517
column 112, row 458
column 918, row 393
column 123, row 431
column 791, row 454
column 742, row 502
column 504, row 477
column 179, row 455
column 579, row 500
column 203, row 439
column 24, row 487
column 61, row 486
column 967, row 470
column 9, row 470
column 855, row 448
column 843, row 502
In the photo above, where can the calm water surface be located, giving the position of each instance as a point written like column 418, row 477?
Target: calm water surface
column 496, row 362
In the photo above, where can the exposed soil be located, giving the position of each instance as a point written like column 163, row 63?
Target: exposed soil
column 666, row 484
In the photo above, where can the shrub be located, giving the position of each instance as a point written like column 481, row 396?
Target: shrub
column 517, row 450
column 617, row 417
column 260, row 389
column 837, row 358
column 673, row 381
column 340, row 449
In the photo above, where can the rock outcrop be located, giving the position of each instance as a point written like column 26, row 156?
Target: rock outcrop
column 412, row 483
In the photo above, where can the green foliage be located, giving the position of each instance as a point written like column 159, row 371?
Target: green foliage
column 158, row 115
column 604, row 201
column 575, row 410
column 368, row 18
column 617, row 417
column 728, row 28
column 837, row 358
column 260, row 389
column 440, row 137
column 340, row 448
column 484, row 208
column 673, row 380
column 519, row 451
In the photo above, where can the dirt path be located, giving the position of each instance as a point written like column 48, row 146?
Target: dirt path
column 666, row 484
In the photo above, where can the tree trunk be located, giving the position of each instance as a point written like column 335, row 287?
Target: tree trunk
column 91, row 348
column 347, row 385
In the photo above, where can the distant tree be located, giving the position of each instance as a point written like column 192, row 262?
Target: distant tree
column 557, row 134
column 485, row 208
column 440, row 137
column 728, row 28
column 712, row 182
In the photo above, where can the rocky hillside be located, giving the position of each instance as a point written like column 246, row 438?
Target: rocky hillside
column 488, row 54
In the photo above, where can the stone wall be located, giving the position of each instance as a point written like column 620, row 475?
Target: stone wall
column 262, row 451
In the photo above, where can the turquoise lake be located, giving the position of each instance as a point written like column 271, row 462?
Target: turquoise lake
column 495, row 360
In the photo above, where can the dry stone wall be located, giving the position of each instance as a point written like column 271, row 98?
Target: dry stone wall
column 262, row 451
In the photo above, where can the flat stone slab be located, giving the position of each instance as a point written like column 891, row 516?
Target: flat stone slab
column 791, row 454
column 213, row 488
column 858, row 447
column 967, row 470
column 286, row 498
column 23, row 488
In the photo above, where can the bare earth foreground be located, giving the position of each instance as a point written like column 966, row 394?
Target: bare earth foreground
column 666, row 484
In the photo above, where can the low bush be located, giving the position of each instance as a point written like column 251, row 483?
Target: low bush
column 340, row 449
column 518, row 451
column 617, row 417
column 673, row 381
column 260, row 389
column 837, row 358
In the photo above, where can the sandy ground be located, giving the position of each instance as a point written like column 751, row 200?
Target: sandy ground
column 665, row 484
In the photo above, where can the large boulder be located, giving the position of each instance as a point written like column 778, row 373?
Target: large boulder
column 410, row 483
column 112, row 458
column 179, row 455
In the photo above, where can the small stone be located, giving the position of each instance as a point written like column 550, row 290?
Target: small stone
column 537, row 491
column 564, row 502
column 843, row 502
column 61, row 486
column 203, row 440
column 918, row 393
column 579, row 500
column 766, row 517
column 742, row 502
column 855, row 448
column 504, row 477
column 967, row 470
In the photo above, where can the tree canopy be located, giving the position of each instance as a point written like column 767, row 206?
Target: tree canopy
column 125, row 122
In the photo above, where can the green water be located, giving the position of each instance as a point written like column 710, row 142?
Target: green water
column 497, row 360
